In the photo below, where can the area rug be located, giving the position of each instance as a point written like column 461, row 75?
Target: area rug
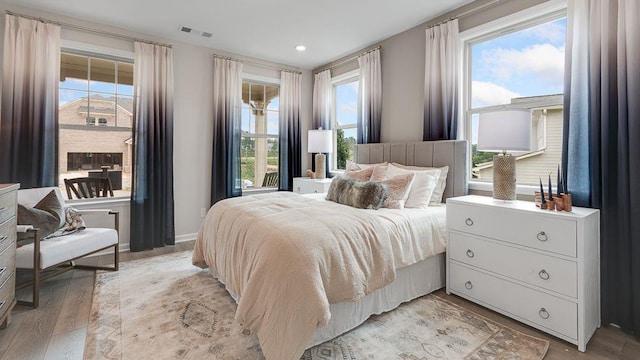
column 164, row 308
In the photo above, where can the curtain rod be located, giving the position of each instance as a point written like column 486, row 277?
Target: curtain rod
column 257, row 64
column 351, row 58
column 464, row 13
column 86, row 29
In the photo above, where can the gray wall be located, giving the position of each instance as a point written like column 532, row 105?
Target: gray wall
column 402, row 60
column 193, row 127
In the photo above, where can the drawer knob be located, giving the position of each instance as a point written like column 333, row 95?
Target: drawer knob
column 542, row 236
column 3, row 238
column 543, row 313
column 468, row 285
column 298, row 189
column 544, row 275
column 315, row 191
column 2, row 304
column 470, row 253
column 2, row 271
column 469, row 222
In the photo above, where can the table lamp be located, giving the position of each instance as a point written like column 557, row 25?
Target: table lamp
column 320, row 142
column 502, row 131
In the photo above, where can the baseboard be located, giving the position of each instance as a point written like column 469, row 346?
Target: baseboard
column 125, row 247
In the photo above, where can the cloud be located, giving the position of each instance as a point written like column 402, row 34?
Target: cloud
column 488, row 94
column 554, row 32
column 351, row 108
column 543, row 61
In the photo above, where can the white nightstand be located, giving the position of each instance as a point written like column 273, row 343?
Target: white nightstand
column 540, row 267
column 305, row 185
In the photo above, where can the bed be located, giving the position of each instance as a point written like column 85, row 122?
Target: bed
column 293, row 301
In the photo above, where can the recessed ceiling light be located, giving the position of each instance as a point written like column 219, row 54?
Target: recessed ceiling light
column 301, row 48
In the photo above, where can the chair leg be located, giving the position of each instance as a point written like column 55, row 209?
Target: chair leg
column 36, row 286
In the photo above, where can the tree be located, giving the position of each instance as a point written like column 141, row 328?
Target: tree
column 344, row 147
column 479, row 157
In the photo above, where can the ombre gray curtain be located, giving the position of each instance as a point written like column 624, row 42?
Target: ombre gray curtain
column 601, row 149
column 29, row 120
column 227, row 99
column 290, row 142
column 152, row 210
column 369, row 118
column 441, row 76
column 322, row 108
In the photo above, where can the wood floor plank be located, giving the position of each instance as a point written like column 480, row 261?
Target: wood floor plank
column 77, row 304
column 68, row 345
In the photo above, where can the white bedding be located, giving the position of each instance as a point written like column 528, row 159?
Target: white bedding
column 337, row 254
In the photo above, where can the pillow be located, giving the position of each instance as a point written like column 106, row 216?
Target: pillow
column 362, row 175
column 398, row 188
column 441, row 183
column 47, row 215
column 379, row 173
column 354, row 166
column 422, row 188
column 355, row 193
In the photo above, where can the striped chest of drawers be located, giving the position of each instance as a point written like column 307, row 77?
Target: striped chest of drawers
column 537, row 266
column 8, row 198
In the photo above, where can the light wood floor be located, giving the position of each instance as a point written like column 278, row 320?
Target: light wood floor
column 57, row 329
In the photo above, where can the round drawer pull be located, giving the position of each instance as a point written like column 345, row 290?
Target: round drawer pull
column 298, row 188
column 542, row 236
column 469, row 222
column 468, row 285
column 543, row 313
column 315, row 191
column 544, row 275
column 470, row 253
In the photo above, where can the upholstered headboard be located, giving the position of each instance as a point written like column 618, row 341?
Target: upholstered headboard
column 452, row 153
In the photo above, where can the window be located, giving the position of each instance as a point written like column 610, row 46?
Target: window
column 345, row 115
column 95, row 88
column 518, row 65
column 260, row 134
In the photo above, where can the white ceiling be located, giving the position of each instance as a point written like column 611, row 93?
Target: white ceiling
column 267, row 30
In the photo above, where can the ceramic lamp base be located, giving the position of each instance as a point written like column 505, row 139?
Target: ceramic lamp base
column 504, row 177
column 321, row 171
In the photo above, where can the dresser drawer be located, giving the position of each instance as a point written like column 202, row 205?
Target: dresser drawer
column 545, row 271
column 542, row 309
column 7, row 233
column 7, row 262
column 7, row 205
column 7, row 291
column 527, row 229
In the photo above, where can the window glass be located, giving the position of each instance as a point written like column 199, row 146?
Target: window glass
column 260, row 121
column 95, row 120
column 520, row 69
column 345, row 120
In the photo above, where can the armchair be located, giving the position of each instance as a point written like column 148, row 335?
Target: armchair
column 59, row 253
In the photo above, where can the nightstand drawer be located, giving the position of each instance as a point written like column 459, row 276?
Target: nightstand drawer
column 527, row 229
column 545, row 271
column 311, row 186
column 539, row 308
column 7, row 291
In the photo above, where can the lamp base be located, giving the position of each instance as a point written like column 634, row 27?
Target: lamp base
column 504, row 177
column 321, row 170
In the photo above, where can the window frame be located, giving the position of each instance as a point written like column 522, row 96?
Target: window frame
column 521, row 20
column 348, row 77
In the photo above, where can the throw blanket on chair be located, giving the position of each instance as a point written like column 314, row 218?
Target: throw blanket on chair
column 73, row 223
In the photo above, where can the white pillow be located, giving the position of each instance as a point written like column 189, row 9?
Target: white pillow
column 438, row 192
column 422, row 188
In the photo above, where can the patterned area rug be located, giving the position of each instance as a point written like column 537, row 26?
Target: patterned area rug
column 165, row 308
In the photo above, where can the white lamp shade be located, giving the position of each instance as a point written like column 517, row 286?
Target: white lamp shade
column 505, row 130
column 320, row 141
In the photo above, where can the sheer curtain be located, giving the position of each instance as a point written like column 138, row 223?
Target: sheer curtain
column 290, row 143
column 369, row 98
column 152, row 216
column 601, row 148
column 441, row 82
column 28, row 124
column 322, row 107
column 227, row 98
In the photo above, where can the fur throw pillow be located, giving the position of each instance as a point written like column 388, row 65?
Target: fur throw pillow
column 358, row 194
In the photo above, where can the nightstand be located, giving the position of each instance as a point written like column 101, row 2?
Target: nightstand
column 540, row 267
column 305, row 185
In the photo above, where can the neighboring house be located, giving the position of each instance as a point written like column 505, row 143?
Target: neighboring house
column 94, row 132
column 547, row 114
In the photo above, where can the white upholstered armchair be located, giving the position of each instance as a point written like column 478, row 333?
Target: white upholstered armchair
column 57, row 254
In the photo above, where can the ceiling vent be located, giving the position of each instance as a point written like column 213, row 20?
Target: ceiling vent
column 192, row 31
column 185, row 29
column 206, row 34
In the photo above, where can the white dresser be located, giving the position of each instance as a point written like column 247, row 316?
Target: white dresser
column 305, row 185
column 8, row 197
column 540, row 267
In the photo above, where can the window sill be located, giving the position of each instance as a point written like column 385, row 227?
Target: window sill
column 528, row 190
column 99, row 201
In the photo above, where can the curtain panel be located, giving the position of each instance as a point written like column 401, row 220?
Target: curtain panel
column 29, row 120
column 322, row 108
column 227, row 99
column 441, row 76
column 290, row 142
column 369, row 98
column 601, row 154
column 152, row 207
